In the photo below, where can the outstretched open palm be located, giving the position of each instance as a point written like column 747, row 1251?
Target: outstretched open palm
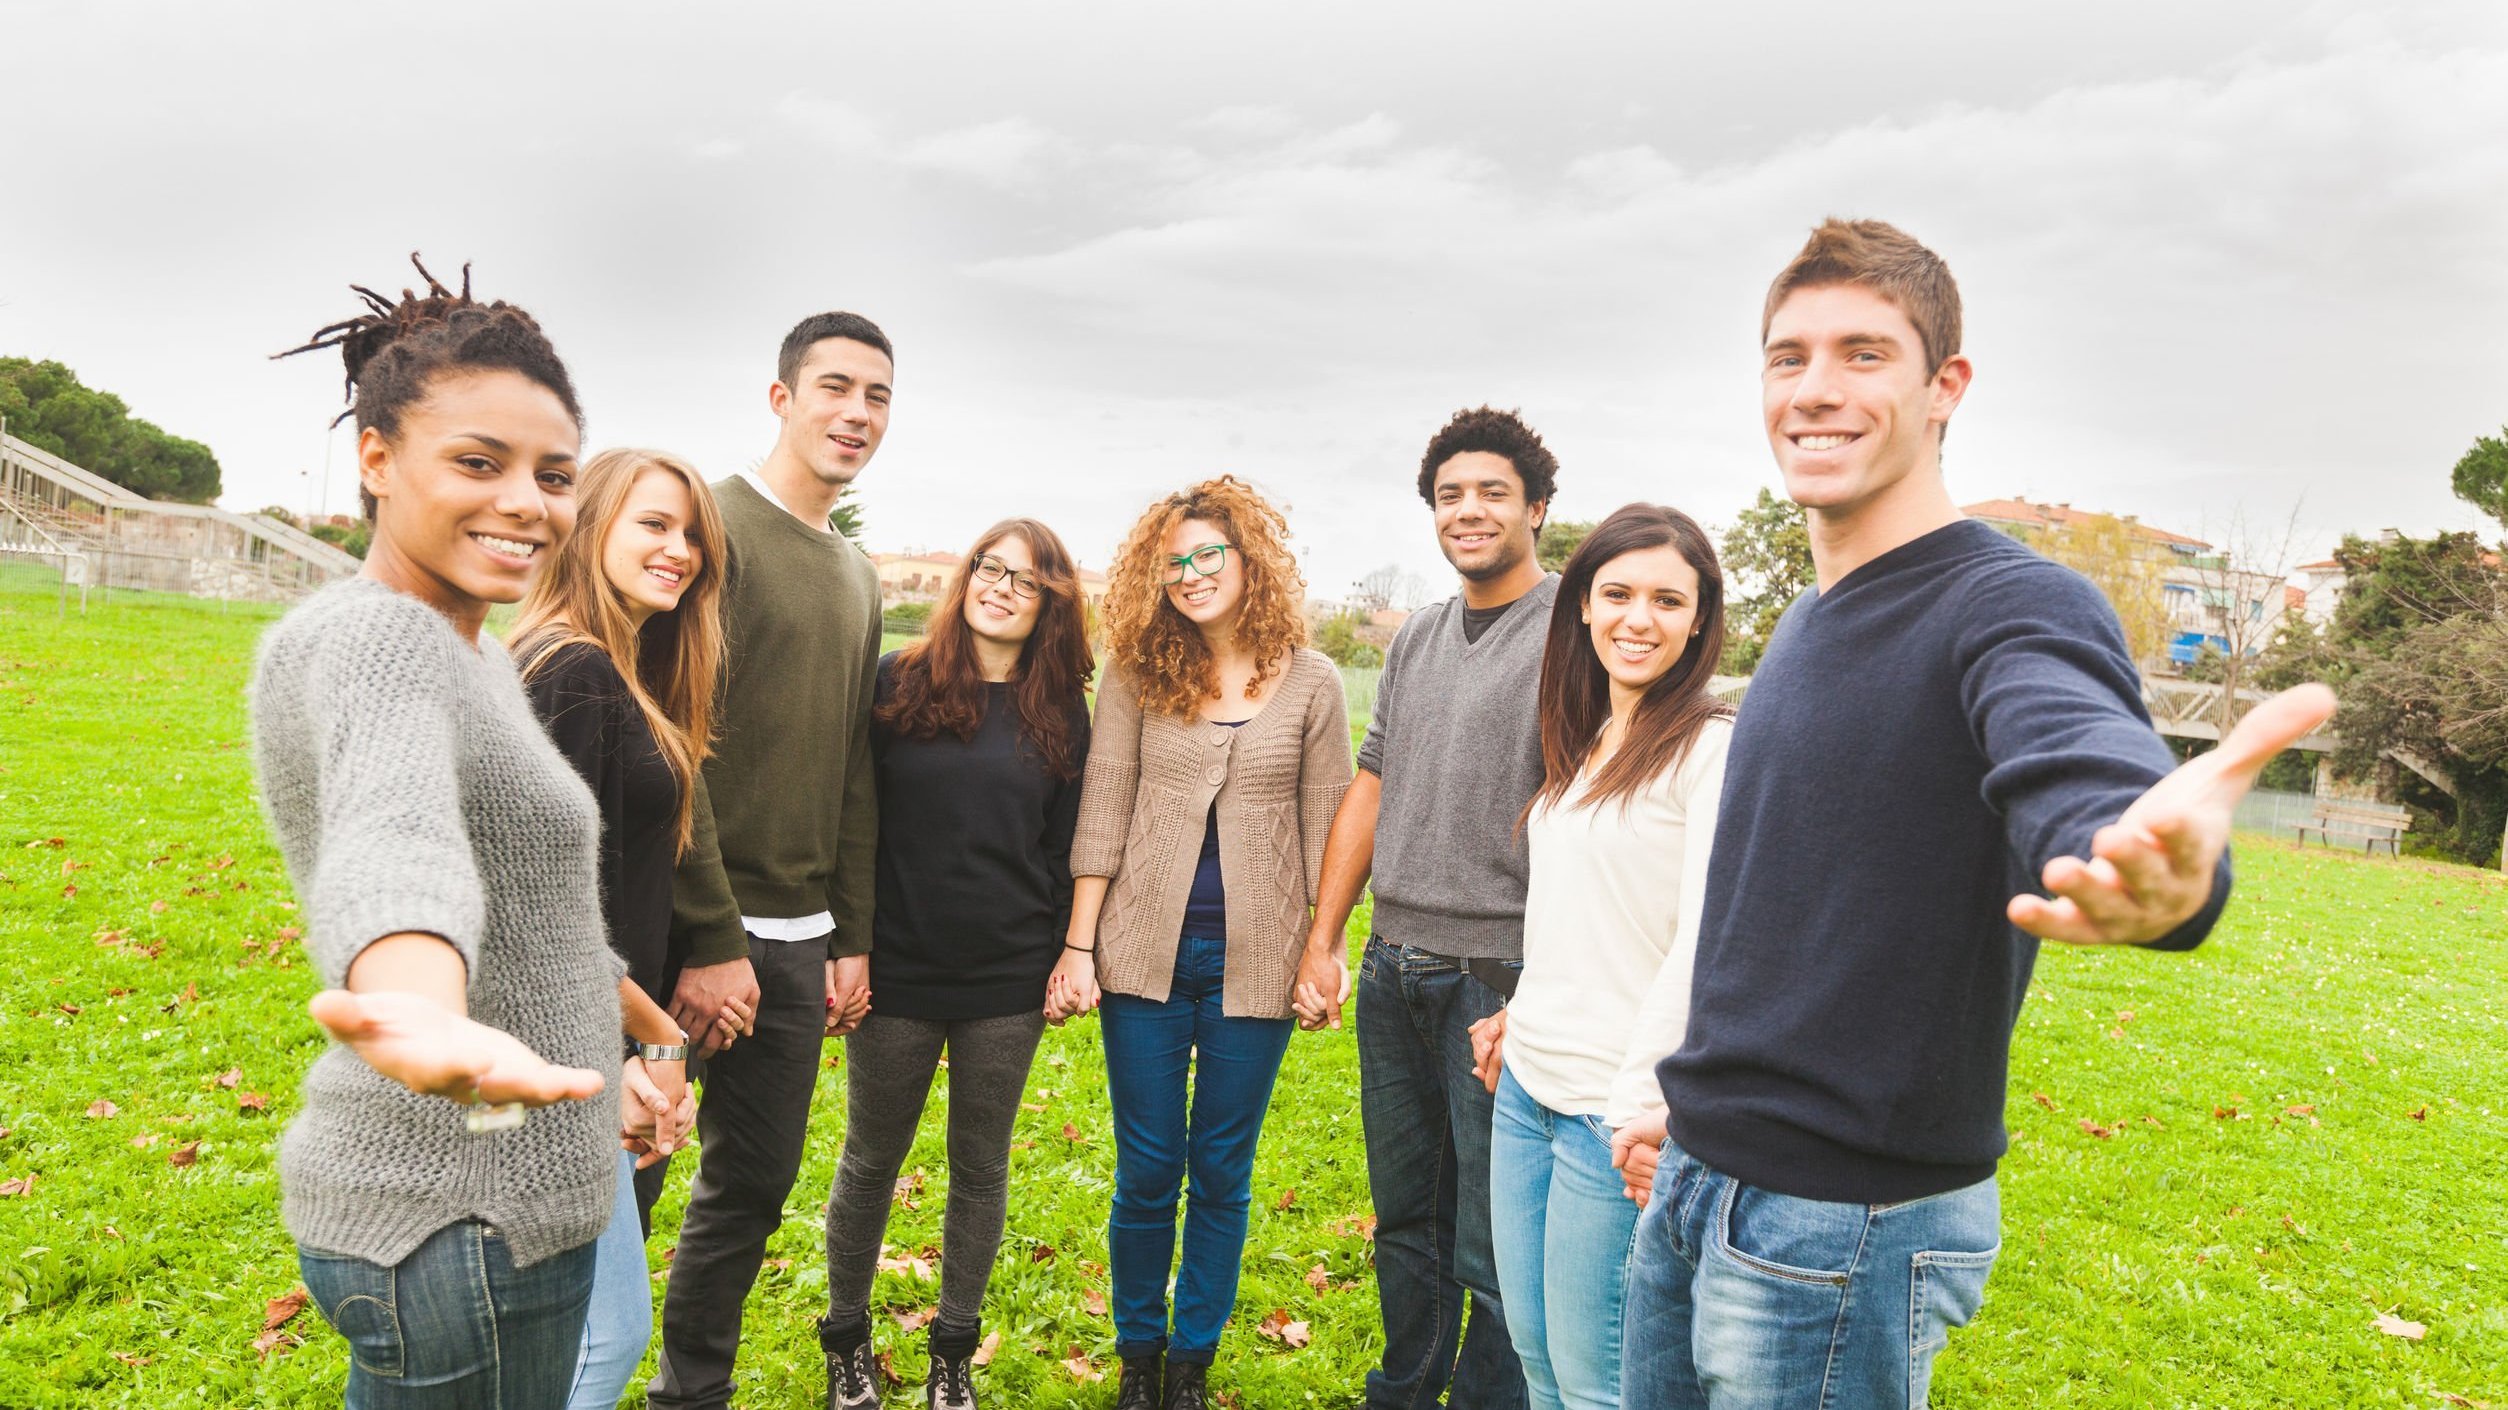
column 428, row 1048
column 2149, row 871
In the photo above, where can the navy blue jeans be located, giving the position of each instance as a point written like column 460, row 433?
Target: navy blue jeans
column 1428, row 1120
column 1150, row 1047
column 456, row 1326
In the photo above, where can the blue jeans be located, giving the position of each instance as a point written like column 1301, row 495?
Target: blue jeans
column 1740, row 1298
column 455, row 1326
column 620, row 1321
column 1562, row 1248
column 1149, row 1049
column 1428, row 1120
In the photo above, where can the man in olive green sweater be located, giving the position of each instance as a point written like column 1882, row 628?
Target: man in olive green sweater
column 796, row 824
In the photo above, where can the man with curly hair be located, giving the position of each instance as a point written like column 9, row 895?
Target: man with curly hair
column 1436, row 824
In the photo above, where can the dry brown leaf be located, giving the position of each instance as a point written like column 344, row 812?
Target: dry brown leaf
column 2419, row 1113
column 281, row 1310
column 129, row 1359
column 2095, row 1129
column 914, row 1320
column 1077, row 1365
column 1318, row 1277
column 230, row 1077
column 1071, row 1133
column 1093, row 1302
column 2303, row 1109
column 187, row 1153
column 2043, row 1100
column 1288, row 1198
column 1042, row 1253
column 9, row 1189
column 984, row 1351
column 2395, row 1326
column 252, row 1101
column 1361, row 1226
column 102, row 1110
column 1280, row 1327
column 141, row 1143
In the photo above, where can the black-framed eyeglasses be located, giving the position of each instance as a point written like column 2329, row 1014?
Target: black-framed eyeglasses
column 1203, row 562
column 989, row 569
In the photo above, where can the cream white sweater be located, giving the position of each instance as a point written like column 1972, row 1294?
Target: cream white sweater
column 1610, row 930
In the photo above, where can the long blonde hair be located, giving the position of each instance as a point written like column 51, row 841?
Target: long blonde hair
column 672, row 665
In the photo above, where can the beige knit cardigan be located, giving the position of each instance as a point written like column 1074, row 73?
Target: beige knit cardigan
column 1143, row 807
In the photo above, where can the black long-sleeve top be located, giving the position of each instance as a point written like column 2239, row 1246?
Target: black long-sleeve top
column 974, row 873
column 1921, row 739
column 584, row 703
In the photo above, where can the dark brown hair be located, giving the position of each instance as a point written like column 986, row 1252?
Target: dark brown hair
column 817, row 329
column 1576, row 691
column 938, row 687
column 1877, row 255
column 393, row 350
column 1501, row 433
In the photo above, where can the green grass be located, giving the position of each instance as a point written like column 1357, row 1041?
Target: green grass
column 2186, row 1259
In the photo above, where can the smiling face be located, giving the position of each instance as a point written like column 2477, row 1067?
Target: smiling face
column 1641, row 614
column 1211, row 601
column 1484, row 526
column 650, row 558
column 836, row 409
column 1852, row 412
column 997, row 611
column 473, row 493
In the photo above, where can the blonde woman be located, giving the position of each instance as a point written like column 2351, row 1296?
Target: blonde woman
column 1220, row 750
column 619, row 642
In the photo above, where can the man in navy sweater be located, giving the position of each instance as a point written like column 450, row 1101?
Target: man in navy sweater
column 1945, row 726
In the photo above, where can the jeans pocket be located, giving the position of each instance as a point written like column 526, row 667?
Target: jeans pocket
column 1944, row 1290
column 361, row 1302
column 1367, row 957
column 1779, row 1236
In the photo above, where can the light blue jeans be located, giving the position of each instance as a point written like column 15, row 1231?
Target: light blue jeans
column 455, row 1326
column 1561, row 1232
column 620, row 1322
column 1740, row 1298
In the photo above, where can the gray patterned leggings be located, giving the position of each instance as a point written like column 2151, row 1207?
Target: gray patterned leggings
column 889, row 1062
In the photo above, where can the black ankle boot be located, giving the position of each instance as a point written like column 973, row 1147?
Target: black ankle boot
column 951, row 1385
column 1140, row 1383
column 853, row 1373
column 1184, row 1386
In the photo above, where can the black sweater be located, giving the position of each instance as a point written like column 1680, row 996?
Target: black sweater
column 584, row 703
column 974, row 875
column 1919, row 741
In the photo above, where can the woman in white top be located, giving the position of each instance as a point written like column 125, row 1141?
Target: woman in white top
column 1633, row 753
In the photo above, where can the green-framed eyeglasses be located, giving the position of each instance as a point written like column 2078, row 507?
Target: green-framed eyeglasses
column 1203, row 562
column 989, row 569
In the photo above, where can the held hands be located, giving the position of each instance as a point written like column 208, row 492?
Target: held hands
column 1489, row 1038
column 1072, row 990
column 1635, row 1151
column 656, row 1108
column 2151, row 870
column 848, row 994
column 429, row 1049
column 715, row 1004
column 1323, row 986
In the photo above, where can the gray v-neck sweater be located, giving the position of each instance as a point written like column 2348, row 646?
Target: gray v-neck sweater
column 1456, row 737
column 412, row 789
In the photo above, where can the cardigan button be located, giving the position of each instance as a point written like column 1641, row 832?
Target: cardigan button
column 1216, row 775
column 1221, row 735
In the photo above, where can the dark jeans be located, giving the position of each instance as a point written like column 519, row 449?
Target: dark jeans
column 456, row 1326
column 889, row 1062
column 1428, row 1118
column 753, row 1116
column 1150, row 1047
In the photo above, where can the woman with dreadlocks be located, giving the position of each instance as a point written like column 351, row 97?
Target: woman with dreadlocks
column 445, row 856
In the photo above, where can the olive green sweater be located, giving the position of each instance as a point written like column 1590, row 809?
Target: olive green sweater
column 793, row 814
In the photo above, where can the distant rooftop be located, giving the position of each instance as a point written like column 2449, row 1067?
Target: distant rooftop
column 2064, row 516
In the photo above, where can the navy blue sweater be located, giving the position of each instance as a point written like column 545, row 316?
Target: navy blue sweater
column 1919, row 741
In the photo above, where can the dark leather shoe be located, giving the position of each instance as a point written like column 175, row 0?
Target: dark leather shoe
column 1140, row 1383
column 1184, row 1386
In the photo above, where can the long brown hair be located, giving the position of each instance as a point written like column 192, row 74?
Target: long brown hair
column 938, row 686
column 1576, row 690
column 671, row 665
column 1163, row 652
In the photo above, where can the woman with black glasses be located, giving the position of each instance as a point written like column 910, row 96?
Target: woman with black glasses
column 978, row 735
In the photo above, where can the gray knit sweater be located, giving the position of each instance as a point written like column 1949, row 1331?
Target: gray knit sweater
column 1457, row 740
column 412, row 789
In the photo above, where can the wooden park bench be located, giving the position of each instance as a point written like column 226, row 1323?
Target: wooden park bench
column 2356, row 820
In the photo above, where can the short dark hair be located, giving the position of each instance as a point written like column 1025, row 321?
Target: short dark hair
column 817, row 329
column 393, row 350
column 1501, row 433
column 1877, row 255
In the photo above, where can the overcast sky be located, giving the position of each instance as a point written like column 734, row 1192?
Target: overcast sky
column 2221, row 261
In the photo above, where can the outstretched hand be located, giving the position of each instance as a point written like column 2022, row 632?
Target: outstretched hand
column 429, row 1049
column 2151, row 870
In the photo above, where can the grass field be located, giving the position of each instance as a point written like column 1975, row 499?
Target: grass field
column 2297, row 1128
